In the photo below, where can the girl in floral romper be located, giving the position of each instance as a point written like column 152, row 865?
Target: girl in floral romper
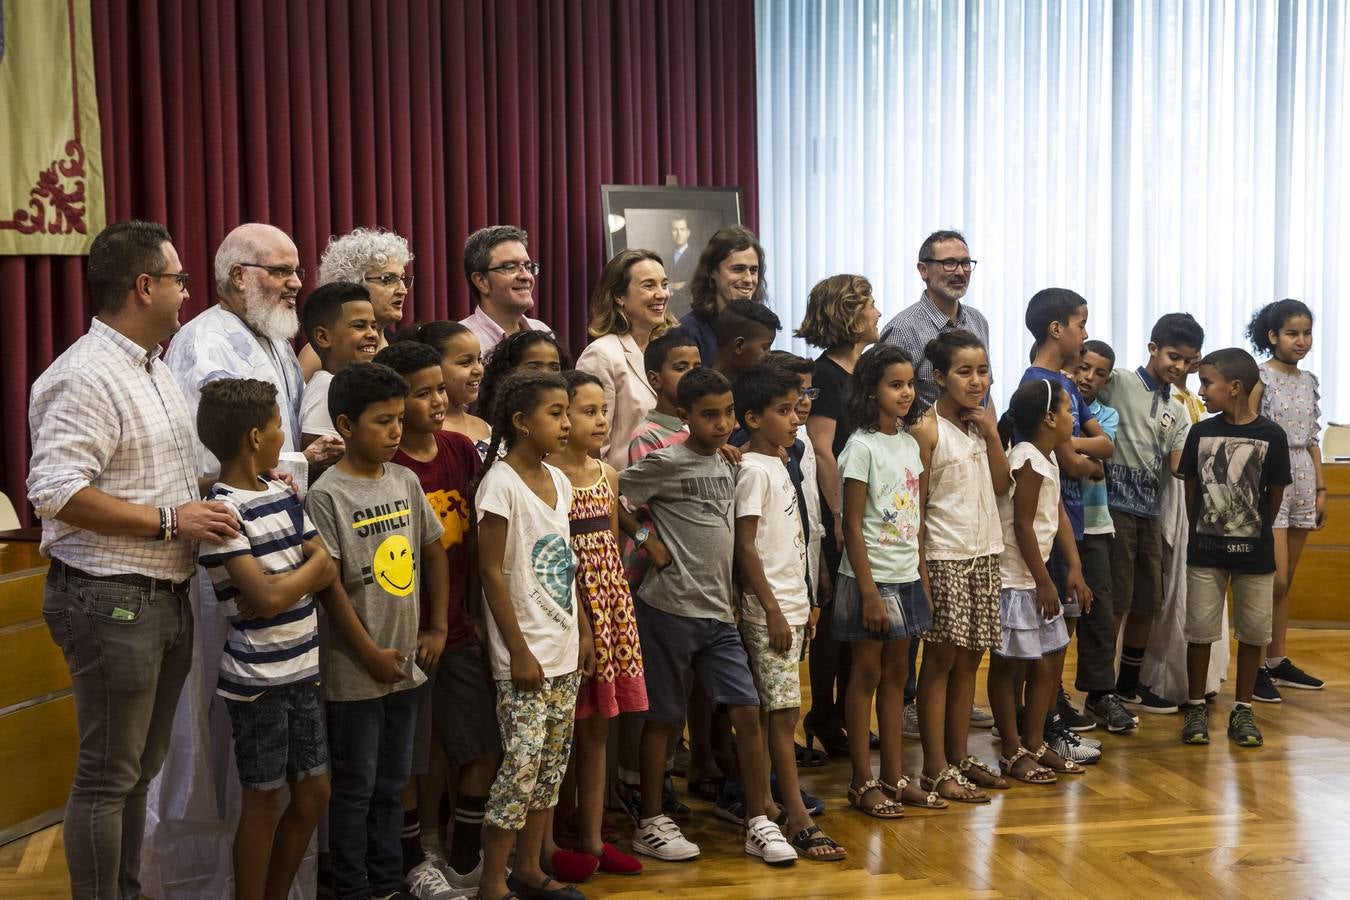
column 603, row 594
column 1289, row 396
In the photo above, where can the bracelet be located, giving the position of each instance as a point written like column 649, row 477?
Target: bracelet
column 173, row 529
column 163, row 533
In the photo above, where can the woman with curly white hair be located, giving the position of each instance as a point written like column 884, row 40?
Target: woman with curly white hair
column 373, row 257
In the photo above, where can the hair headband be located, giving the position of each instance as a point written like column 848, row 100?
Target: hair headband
column 1049, row 392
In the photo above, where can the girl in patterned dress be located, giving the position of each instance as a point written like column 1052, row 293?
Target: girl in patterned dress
column 1289, row 397
column 967, row 471
column 603, row 594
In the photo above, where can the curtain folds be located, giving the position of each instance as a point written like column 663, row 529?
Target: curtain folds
column 429, row 118
column 1153, row 156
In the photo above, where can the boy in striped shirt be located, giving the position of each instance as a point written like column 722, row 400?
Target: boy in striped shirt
column 264, row 580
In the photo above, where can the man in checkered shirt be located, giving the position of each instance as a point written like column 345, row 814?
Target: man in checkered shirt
column 113, row 477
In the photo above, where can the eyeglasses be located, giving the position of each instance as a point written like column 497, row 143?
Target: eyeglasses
column 281, row 273
column 951, row 265
column 512, row 268
column 180, row 277
column 389, row 279
column 810, row 393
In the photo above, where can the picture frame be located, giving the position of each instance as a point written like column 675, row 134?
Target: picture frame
column 648, row 217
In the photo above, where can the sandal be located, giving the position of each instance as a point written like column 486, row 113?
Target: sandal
column 812, row 838
column 1069, row 767
column 928, row 799
column 1037, row 774
column 982, row 774
column 969, row 792
column 886, row 808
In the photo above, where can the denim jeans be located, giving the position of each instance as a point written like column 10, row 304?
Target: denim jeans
column 370, row 745
column 128, row 649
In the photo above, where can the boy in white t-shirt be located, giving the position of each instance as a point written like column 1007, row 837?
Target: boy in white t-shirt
column 339, row 321
column 776, row 605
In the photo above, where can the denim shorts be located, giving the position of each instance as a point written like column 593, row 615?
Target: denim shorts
column 676, row 649
column 279, row 737
column 906, row 609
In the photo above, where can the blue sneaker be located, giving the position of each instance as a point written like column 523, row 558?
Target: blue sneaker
column 1265, row 690
column 814, row 805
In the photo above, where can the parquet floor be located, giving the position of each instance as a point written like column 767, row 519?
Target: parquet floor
column 1154, row 818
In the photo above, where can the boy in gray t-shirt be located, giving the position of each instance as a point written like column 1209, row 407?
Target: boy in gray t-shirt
column 685, row 622
column 378, row 525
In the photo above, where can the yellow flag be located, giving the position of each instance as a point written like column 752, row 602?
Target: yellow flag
column 51, row 158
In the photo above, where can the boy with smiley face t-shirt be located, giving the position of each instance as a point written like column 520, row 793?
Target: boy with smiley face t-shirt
column 375, row 529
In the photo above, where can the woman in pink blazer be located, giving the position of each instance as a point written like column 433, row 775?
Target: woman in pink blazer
column 629, row 307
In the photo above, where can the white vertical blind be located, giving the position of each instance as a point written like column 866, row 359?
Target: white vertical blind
column 1154, row 156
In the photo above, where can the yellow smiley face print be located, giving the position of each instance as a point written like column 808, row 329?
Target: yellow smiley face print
column 393, row 565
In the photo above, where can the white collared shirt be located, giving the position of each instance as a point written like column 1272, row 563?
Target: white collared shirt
column 107, row 414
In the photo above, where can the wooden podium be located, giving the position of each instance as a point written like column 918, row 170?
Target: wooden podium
column 1322, row 584
column 38, row 739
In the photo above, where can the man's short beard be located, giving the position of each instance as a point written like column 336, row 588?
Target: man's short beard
column 269, row 316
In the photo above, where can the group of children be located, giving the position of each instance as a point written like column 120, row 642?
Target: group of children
column 959, row 529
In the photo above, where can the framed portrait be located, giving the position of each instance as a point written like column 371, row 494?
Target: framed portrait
column 673, row 222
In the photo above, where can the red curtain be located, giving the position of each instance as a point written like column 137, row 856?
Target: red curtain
column 429, row 118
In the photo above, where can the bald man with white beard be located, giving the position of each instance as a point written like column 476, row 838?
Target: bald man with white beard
column 247, row 334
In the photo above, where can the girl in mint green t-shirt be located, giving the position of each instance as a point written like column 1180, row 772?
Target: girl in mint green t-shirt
column 880, row 597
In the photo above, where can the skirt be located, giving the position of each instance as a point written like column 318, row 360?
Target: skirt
column 906, row 610
column 966, row 602
column 1026, row 633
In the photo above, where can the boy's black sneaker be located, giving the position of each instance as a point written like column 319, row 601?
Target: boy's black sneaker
column 1146, row 701
column 1112, row 713
column 1286, row 674
column 1196, row 728
column 1265, row 690
column 1071, row 717
column 1242, row 728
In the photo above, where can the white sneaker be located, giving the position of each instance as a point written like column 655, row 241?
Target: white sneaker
column 662, row 838
column 469, row 880
column 426, row 882
column 763, row 839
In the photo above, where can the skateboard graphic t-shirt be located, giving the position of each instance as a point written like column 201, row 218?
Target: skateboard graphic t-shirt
column 1234, row 467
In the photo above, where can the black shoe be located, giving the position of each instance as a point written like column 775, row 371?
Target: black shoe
column 1112, row 713
column 1072, row 718
column 1265, row 690
column 831, row 736
column 1286, row 674
column 560, row 891
column 1149, row 702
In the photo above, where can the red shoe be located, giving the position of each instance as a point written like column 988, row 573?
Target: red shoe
column 615, row 862
column 569, row 865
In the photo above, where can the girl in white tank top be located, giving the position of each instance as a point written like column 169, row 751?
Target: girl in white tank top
column 967, row 470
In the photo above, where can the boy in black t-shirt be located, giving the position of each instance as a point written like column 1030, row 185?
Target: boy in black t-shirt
column 1236, row 466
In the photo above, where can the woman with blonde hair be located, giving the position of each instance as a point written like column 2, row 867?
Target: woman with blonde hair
column 629, row 307
column 841, row 319
column 377, row 259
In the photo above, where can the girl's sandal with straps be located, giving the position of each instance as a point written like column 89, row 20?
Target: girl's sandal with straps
column 966, row 791
column 811, row 839
column 982, row 774
column 885, row 808
column 1037, row 774
column 1067, row 766
column 926, row 799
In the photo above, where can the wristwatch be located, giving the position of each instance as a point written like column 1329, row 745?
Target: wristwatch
column 641, row 535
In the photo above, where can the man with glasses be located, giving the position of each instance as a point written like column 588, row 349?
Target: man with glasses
column 501, row 275
column 945, row 267
column 247, row 334
column 114, row 479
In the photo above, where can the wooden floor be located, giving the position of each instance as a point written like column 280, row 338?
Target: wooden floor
column 1153, row 819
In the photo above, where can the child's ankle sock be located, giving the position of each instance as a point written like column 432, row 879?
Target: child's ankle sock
column 1241, row 703
column 411, row 839
column 1273, row 661
column 1195, row 702
column 1131, row 659
column 466, row 838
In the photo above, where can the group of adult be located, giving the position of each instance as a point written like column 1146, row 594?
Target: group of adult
column 114, row 444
